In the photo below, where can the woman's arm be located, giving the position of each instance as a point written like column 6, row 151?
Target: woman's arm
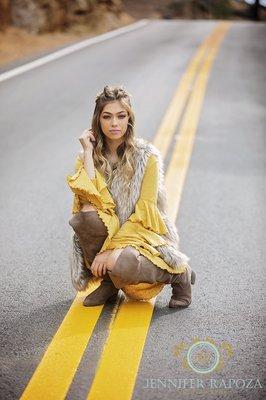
column 87, row 139
column 146, row 222
column 89, row 190
column 88, row 163
column 144, row 225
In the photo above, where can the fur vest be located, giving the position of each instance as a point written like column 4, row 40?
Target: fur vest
column 125, row 200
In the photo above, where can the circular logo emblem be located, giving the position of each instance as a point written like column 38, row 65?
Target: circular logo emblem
column 203, row 357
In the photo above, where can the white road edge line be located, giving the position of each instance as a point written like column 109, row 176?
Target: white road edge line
column 71, row 49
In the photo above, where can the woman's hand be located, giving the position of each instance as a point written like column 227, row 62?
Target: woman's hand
column 100, row 263
column 86, row 140
column 105, row 261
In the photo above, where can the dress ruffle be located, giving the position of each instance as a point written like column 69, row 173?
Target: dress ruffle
column 143, row 291
column 134, row 233
column 148, row 214
column 94, row 190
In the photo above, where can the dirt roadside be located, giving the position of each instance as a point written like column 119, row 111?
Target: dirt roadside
column 16, row 43
column 19, row 45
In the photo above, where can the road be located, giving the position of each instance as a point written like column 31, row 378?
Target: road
column 221, row 216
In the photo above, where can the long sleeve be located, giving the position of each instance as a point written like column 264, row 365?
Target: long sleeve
column 145, row 225
column 146, row 211
column 94, row 191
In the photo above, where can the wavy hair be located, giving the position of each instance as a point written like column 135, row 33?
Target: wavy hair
column 125, row 150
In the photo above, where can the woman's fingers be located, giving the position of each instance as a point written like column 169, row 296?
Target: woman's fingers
column 86, row 139
column 89, row 134
column 104, row 269
column 98, row 269
column 112, row 258
column 101, row 263
column 94, row 267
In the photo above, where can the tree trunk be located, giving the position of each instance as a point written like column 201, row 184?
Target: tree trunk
column 255, row 10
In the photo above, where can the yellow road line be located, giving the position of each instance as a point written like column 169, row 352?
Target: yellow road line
column 117, row 369
column 178, row 166
column 65, row 351
column 54, row 374
column 115, row 379
column 167, row 128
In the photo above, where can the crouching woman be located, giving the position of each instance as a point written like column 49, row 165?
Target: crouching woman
column 122, row 234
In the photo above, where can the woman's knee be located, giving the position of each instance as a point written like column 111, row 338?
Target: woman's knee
column 88, row 207
column 88, row 222
column 127, row 265
column 129, row 253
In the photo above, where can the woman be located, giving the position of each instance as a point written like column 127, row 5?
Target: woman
column 122, row 234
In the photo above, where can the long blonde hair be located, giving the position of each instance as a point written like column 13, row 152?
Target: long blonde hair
column 126, row 150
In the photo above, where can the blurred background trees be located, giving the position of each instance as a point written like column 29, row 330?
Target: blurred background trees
column 38, row 16
column 217, row 9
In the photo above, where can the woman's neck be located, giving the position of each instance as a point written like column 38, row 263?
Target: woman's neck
column 112, row 146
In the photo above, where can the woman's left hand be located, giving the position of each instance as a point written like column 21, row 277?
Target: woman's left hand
column 100, row 264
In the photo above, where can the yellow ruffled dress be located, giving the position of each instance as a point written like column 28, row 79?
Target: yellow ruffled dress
column 142, row 229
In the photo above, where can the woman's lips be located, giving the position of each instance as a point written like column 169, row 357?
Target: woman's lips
column 115, row 131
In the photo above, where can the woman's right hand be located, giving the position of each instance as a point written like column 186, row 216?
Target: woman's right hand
column 86, row 139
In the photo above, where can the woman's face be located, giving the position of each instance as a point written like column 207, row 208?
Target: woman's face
column 114, row 119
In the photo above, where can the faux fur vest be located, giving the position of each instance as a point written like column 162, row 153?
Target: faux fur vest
column 125, row 201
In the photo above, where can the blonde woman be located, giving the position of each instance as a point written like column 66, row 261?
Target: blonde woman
column 123, row 238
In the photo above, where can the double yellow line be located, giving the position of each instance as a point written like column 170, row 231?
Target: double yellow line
column 122, row 352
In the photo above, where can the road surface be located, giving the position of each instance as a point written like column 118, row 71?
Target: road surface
column 221, row 217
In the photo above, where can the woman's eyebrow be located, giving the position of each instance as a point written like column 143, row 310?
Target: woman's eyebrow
column 106, row 112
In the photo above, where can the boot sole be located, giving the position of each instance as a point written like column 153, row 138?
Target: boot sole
column 110, row 299
column 192, row 281
column 170, row 305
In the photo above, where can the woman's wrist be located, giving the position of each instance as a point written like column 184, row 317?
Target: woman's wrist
column 89, row 164
column 88, row 151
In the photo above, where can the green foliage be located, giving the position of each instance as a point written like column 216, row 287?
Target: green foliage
column 221, row 8
column 200, row 8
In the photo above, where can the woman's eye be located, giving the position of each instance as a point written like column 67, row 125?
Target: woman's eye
column 107, row 116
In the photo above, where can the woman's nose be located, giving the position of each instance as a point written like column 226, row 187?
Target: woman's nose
column 114, row 122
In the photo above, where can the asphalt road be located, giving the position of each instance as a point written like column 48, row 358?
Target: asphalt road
column 221, row 219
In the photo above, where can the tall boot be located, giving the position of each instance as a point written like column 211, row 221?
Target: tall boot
column 91, row 232
column 181, row 283
column 181, row 289
column 135, row 268
column 105, row 292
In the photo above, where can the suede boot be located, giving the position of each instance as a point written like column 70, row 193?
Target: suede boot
column 106, row 291
column 181, row 289
column 136, row 268
column 91, row 232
